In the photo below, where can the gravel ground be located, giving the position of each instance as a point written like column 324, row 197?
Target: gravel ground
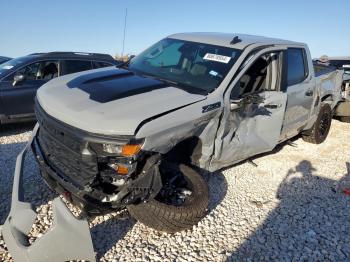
column 290, row 207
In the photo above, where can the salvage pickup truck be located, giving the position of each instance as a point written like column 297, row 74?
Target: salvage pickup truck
column 138, row 136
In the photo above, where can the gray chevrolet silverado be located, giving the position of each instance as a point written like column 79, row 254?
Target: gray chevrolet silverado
column 137, row 137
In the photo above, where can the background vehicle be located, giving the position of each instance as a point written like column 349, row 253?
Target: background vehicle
column 21, row 77
column 137, row 137
column 4, row 59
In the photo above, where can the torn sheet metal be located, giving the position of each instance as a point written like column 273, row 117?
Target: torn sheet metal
column 226, row 136
column 68, row 239
column 203, row 128
column 251, row 129
column 330, row 84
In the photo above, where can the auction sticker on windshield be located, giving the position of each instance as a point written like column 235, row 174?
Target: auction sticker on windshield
column 217, row 58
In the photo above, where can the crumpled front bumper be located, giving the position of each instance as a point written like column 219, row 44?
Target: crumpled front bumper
column 68, row 239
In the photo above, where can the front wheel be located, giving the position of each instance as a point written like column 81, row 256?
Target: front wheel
column 181, row 204
column 319, row 132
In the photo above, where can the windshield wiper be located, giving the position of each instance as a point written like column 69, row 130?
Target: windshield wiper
column 185, row 87
column 182, row 86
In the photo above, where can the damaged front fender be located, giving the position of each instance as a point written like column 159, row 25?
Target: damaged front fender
column 68, row 239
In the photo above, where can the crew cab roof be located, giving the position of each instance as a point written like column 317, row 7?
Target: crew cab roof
column 226, row 39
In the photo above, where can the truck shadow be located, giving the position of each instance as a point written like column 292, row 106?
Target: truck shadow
column 311, row 221
column 16, row 128
column 217, row 188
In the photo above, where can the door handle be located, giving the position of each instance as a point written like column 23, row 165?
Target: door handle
column 309, row 93
column 273, row 106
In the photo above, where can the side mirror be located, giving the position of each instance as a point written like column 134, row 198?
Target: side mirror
column 235, row 104
column 247, row 99
column 18, row 78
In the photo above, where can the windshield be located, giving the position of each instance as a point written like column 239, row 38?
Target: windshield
column 193, row 66
column 13, row 63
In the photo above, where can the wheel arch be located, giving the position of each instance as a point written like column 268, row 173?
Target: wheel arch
column 187, row 151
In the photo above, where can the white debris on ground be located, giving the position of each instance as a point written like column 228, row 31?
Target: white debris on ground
column 290, row 207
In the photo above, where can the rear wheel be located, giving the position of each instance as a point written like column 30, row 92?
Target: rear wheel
column 181, row 204
column 319, row 132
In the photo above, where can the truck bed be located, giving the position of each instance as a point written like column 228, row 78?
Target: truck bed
column 330, row 80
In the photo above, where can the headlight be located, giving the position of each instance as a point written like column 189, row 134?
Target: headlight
column 122, row 150
column 112, row 149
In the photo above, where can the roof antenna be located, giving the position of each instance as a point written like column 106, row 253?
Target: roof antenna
column 235, row 40
column 126, row 14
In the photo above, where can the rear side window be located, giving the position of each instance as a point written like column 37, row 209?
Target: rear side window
column 296, row 66
column 73, row 66
column 99, row 64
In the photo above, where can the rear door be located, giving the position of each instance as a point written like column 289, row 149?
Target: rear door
column 300, row 89
column 253, row 123
column 18, row 99
column 74, row 66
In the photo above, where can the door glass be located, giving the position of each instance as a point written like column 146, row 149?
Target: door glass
column 260, row 76
column 296, row 67
column 73, row 66
column 29, row 72
column 48, row 70
column 44, row 70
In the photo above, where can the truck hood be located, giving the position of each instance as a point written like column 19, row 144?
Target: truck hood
column 110, row 101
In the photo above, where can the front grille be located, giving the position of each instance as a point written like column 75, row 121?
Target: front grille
column 62, row 151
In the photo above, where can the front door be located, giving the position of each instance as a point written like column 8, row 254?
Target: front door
column 253, row 123
column 18, row 97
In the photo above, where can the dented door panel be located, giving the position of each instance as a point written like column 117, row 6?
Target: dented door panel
column 249, row 130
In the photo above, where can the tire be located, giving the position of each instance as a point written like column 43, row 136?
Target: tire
column 345, row 119
column 174, row 218
column 319, row 131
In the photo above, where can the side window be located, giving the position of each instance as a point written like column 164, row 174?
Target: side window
column 48, row 70
column 44, row 70
column 99, row 64
column 296, row 66
column 73, row 66
column 262, row 75
column 30, row 72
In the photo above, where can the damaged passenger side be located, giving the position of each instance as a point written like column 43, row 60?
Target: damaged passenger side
column 253, row 122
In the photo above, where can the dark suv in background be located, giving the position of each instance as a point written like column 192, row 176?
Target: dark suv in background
column 21, row 77
column 4, row 59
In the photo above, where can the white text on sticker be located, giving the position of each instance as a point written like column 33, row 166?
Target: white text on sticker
column 217, row 58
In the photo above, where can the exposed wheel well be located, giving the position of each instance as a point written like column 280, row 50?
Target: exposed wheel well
column 187, row 151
